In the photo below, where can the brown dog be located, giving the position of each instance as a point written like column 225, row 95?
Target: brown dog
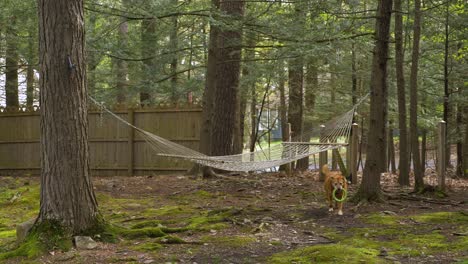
column 334, row 180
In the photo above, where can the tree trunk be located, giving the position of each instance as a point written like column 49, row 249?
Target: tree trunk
column 92, row 57
column 465, row 143
column 403, row 177
column 418, row 173
column 295, row 111
column 210, row 86
column 174, row 46
column 249, row 55
column 391, row 151
column 311, row 85
column 149, row 68
column 283, row 113
column 423, row 151
column 11, row 63
column 122, row 67
column 370, row 186
column 446, row 85
column 460, row 161
column 227, row 81
column 67, row 194
column 253, row 119
column 296, row 82
column 30, row 72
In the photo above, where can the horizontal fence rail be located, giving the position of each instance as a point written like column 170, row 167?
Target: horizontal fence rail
column 115, row 149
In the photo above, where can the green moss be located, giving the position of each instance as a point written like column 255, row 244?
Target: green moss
column 7, row 234
column 170, row 210
column 149, row 223
column 442, row 218
column 47, row 236
column 147, row 247
column 142, row 232
column 380, row 219
column 231, row 241
column 331, row 253
column 204, row 194
column 212, row 219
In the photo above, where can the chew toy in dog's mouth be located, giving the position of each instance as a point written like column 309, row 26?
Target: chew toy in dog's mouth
column 343, row 197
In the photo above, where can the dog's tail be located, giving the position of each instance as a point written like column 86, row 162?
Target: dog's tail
column 325, row 170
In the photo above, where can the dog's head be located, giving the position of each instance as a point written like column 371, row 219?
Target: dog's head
column 338, row 182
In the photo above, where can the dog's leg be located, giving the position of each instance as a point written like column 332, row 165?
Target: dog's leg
column 340, row 208
column 330, row 203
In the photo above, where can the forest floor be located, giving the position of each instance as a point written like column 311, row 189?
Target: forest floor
column 263, row 218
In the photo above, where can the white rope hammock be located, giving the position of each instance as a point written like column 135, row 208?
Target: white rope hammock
column 333, row 135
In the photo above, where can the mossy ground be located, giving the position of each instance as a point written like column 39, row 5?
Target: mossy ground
column 277, row 220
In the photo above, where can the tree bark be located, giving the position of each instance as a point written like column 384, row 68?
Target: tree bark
column 227, row 81
column 11, row 63
column 67, row 194
column 30, row 80
column 295, row 111
column 403, row 177
column 92, row 57
column 122, row 67
column 283, row 112
column 311, row 85
column 418, row 173
column 370, row 186
column 149, row 68
column 174, row 62
column 210, row 88
column 296, row 82
column 249, row 55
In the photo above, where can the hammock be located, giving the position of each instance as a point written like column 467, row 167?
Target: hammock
column 334, row 134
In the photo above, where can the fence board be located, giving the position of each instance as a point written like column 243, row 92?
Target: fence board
column 108, row 141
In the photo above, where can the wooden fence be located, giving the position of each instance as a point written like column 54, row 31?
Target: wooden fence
column 115, row 149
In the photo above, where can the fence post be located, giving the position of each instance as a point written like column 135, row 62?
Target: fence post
column 323, row 156
column 354, row 153
column 441, row 149
column 131, row 141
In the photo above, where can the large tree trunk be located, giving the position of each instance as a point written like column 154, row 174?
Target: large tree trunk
column 209, row 93
column 67, row 194
column 296, row 82
column 370, row 186
column 227, row 81
column 11, row 63
column 418, row 174
column 403, row 177
column 295, row 111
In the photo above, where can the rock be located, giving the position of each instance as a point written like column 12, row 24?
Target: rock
column 84, row 242
column 383, row 252
column 22, row 230
column 148, row 261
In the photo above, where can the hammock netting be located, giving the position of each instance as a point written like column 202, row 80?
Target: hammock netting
column 331, row 135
